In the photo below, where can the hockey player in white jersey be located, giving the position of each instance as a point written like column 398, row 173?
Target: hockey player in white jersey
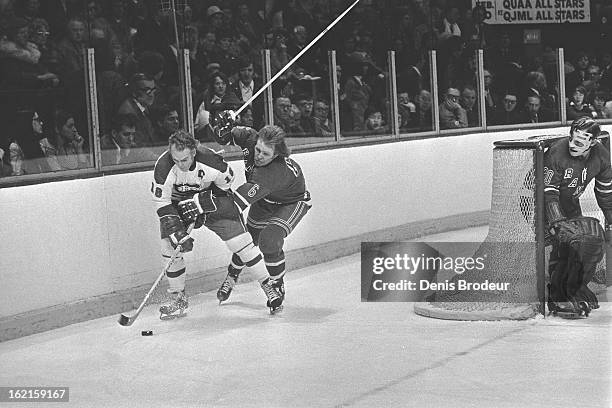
column 186, row 172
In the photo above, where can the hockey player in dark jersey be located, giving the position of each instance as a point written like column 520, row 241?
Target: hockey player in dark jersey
column 275, row 193
column 570, row 165
column 184, row 172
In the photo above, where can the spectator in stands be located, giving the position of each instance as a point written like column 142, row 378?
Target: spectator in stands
column 295, row 119
column 39, row 35
column 474, row 30
column 119, row 146
column 279, row 55
column 424, row 106
column 206, row 48
column 26, row 153
column 450, row 24
column 166, row 121
column 533, row 111
column 120, row 26
column 577, row 77
column 489, row 94
column 245, row 23
column 101, row 33
column 508, row 113
column 305, row 105
column 72, row 153
column 406, row 110
column 156, row 34
column 215, row 19
column 70, row 50
column 598, row 103
column 20, row 66
column 216, row 91
column 537, row 85
column 605, row 80
column 577, row 106
column 358, row 92
column 282, row 112
column 591, row 82
column 142, row 96
column 246, row 86
column 468, row 102
column 452, row 115
column 322, row 122
column 56, row 13
column 222, row 53
column 374, row 120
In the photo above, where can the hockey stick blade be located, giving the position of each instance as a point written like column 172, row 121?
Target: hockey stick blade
column 125, row 320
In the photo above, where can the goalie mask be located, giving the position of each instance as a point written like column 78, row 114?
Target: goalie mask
column 583, row 135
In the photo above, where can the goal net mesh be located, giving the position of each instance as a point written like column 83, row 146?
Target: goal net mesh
column 510, row 247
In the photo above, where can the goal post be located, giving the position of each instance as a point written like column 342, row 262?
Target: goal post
column 517, row 241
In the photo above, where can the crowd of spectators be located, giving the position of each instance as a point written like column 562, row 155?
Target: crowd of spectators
column 137, row 71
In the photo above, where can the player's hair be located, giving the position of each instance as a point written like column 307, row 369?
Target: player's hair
column 586, row 124
column 274, row 136
column 181, row 140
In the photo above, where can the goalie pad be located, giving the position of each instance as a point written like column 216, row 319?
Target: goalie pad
column 579, row 247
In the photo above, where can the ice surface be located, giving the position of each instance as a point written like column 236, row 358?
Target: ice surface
column 326, row 349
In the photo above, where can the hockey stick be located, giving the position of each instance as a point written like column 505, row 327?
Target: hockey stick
column 286, row 67
column 126, row 320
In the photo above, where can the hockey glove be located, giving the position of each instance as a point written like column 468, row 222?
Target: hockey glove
column 201, row 203
column 183, row 239
column 171, row 227
column 224, row 123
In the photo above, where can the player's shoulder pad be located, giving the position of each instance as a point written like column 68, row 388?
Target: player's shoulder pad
column 211, row 158
column 163, row 166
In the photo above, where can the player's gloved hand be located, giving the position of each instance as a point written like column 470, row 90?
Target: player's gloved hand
column 183, row 239
column 201, row 203
column 225, row 121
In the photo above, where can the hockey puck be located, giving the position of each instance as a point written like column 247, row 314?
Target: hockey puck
column 147, row 332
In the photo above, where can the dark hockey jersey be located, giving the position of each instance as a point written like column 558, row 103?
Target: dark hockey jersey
column 566, row 177
column 246, row 139
column 280, row 182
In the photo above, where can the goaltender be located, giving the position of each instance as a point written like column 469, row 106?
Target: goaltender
column 571, row 164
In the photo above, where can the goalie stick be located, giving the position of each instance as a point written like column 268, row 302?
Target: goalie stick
column 128, row 320
column 286, row 67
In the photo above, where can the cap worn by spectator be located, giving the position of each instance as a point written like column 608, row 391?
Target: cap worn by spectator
column 212, row 10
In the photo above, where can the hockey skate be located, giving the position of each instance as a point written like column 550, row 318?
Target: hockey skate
column 279, row 284
column 176, row 307
column 225, row 290
column 567, row 310
column 275, row 300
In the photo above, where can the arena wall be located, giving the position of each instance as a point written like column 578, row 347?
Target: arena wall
column 84, row 248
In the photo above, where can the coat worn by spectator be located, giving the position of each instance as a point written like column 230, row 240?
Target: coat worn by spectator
column 452, row 115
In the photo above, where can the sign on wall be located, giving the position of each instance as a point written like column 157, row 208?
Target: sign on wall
column 535, row 11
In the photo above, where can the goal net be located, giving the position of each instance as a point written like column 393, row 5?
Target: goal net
column 516, row 245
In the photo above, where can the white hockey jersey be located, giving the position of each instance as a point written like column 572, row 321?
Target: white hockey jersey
column 171, row 185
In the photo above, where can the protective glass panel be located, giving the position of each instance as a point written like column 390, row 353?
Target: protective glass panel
column 42, row 92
